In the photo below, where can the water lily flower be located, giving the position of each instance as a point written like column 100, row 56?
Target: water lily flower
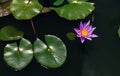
column 85, row 31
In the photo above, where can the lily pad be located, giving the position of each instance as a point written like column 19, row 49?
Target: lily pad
column 56, row 2
column 75, row 11
column 74, row 1
column 53, row 54
column 20, row 56
column 10, row 33
column 25, row 9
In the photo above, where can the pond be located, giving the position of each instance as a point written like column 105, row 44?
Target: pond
column 99, row 57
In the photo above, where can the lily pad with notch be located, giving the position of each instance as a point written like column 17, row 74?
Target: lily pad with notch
column 25, row 9
column 74, row 11
column 20, row 56
column 53, row 54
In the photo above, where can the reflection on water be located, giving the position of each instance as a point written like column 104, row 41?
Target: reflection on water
column 105, row 59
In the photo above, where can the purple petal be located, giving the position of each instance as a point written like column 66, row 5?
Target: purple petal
column 87, row 24
column 93, row 28
column 78, row 35
column 89, row 28
column 82, row 39
column 88, row 38
column 76, row 30
column 91, row 31
column 81, row 26
column 94, row 35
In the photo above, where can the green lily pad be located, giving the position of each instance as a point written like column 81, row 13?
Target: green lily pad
column 56, row 2
column 18, row 57
column 25, row 9
column 53, row 54
column 75, row 11
column 10, row 33
column 74, row 1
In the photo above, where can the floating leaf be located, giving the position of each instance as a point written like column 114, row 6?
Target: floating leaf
column 18, row 57
column 10, row 33
column 56, row 2
column 74, row 1
column 71, row 36
column 25, row 9
column 75, row 11
column 4, row 7
column 53, row 54
column 119, row 31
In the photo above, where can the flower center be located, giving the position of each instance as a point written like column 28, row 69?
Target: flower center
column 84, row 32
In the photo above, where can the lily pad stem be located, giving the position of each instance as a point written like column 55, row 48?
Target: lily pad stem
column 33, row 27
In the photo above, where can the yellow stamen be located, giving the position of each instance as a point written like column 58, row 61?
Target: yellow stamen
column 84, row 32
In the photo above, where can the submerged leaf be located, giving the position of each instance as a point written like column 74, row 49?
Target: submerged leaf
column 18, row 57
column 75, row 11
column 25, row 9
column 53, row 54
column 10, row 33
column 71, row 36
column 119, row 31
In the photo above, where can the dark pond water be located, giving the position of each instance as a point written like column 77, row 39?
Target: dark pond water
column 100, row 57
